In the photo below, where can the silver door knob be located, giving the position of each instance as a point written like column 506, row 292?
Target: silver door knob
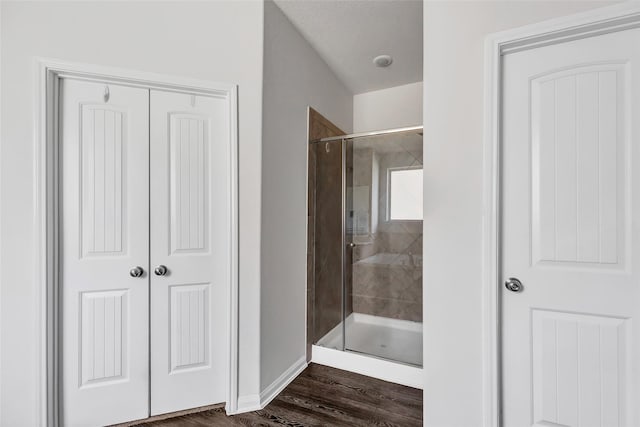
column 136, row 272
column 514, row 285
column 352, row 245
column 160, row 270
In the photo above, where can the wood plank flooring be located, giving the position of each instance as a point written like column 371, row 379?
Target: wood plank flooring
column 322, row 396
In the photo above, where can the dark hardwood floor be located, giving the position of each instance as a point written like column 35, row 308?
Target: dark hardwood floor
column 322, row 396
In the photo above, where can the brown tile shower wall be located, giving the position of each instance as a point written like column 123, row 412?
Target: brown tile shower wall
column 324, row 258
column 328, row 237
column 386, row 275
column 390, row 290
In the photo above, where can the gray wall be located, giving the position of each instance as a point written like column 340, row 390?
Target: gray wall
column 294, row 77
column 218, row 41
column 454, row 34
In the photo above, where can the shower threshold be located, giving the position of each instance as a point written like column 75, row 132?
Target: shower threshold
column 368, row 365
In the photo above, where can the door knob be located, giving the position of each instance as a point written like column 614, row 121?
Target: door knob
column 352, row 245
column 161, row 270
column 136, row 272
column 513, row 284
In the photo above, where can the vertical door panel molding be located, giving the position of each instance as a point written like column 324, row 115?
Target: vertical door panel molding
column 579, row 147
column 103, row 154
column 189, row 137
column 189, row 329
column 104, row 336
column 571, row 350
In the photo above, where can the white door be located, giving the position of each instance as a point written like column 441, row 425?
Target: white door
column 104, row 152
column 190, row 235
column 571, row 233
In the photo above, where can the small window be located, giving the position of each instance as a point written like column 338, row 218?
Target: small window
column 405, row 194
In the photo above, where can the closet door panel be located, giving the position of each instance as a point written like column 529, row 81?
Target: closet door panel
column 104, row 152
column 190, row 229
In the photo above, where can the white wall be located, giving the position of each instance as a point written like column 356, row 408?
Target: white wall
column 454, row 35
column 394, row 107
column 294, row 77
column 219, row 41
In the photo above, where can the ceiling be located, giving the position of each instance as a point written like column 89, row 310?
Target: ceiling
column 348, row 34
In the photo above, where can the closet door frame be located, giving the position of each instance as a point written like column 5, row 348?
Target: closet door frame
column 48, row 74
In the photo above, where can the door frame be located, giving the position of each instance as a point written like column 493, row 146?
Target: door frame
column 586, row 24
column 48, row 74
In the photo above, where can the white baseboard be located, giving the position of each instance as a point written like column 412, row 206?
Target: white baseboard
column 248, row 403
column 256, row 402
column 269, row 393
column 369, row 366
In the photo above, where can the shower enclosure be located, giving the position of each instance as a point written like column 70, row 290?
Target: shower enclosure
column 365, row 207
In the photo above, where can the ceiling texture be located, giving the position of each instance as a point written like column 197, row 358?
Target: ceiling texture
column 348, row 34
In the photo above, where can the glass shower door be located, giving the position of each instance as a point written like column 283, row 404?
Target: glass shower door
column 383, row 246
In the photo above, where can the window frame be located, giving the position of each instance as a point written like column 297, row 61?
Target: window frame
column 390, row 170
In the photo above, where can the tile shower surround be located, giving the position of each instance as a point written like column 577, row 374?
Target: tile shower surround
column 393, row 287
column 324, row 272
column 386, row 271
column 328, row 238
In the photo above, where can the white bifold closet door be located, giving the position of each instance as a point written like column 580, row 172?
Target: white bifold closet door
column 144, row 262
column 104, row 234
column 190, row 233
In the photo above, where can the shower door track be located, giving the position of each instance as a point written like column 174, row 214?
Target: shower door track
column 364, row 134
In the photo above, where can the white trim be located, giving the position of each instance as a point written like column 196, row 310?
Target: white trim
column 595, row 22
column 307, row 298
column 48, row 73
column 234, row 300
column 143, row 79
column 279, row 384
column 248, row 403
column 256, row 402
column 385, row 370
column 490, row 237
column 1, row 221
